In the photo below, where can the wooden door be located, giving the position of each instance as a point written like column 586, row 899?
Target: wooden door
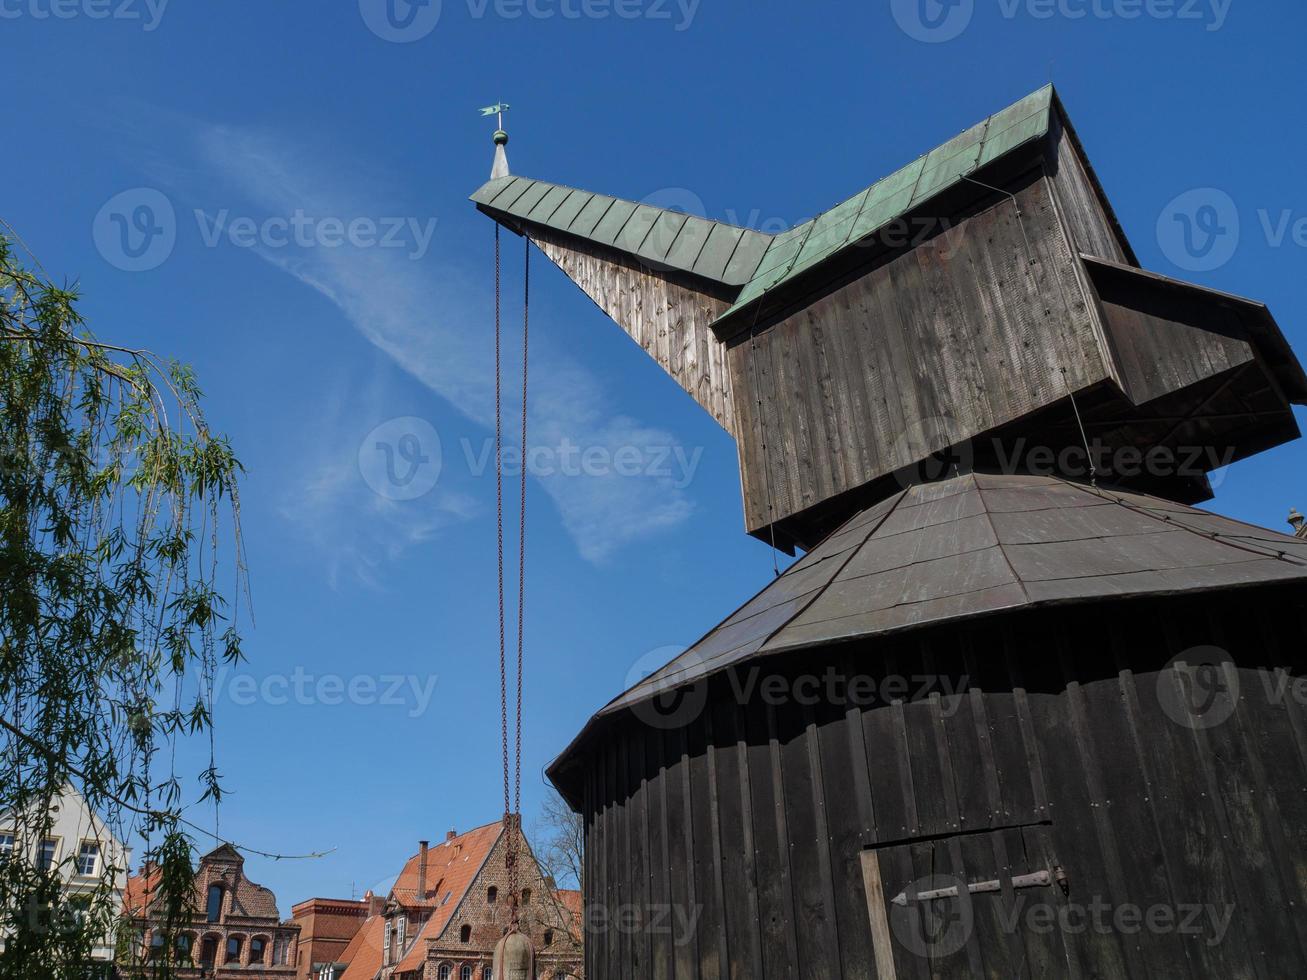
column 985, row 904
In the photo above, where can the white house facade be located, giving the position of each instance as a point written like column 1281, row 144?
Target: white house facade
column 77, row 845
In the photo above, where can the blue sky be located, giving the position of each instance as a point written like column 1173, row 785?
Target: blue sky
column 325, row 275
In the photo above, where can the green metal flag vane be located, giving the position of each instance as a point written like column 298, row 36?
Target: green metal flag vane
column 498, row 109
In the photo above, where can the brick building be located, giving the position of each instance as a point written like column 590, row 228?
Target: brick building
column 449, row 907
column 327, row 926
column 235, row 929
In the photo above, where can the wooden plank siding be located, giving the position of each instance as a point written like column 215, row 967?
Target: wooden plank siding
column 1046, row 741
column 933, row 347
column 1092, row 227
column 668, row 319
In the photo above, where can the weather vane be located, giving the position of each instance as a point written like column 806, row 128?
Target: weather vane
column 498, row 109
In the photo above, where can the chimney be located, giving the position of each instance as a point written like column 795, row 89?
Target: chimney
column 422, row 869
column 451, row 835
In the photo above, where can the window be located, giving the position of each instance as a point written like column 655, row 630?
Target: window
column 233, row 950
column 465, row 934
column 492, row 894
column 526, row 896
column 444, row 972
column 156, row 945
column 79, row 907
column 45, row 852
column 183, row 946
column 487, row 973
column 258, row 946
column 403, row 930
column 549, row 937
column 385, row 942
column 466, row 972
column 208, row 951
column 6, row 843
column 213, row 908
column 88, row 858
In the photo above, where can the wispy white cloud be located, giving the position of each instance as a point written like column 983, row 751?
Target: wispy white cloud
column 360, row 532
column 432, row 323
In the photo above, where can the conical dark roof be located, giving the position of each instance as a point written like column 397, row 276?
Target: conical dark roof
column 978, row 544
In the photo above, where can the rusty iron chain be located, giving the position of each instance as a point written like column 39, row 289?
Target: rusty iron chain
column 513, row 775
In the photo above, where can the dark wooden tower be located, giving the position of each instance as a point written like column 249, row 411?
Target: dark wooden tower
column 1006, row 717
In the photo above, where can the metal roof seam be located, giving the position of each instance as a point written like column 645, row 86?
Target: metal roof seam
column 984, row 504
column 1214, row 535
column 702, row 245
column 818, row 593
column 521, row 189
column 566, row 197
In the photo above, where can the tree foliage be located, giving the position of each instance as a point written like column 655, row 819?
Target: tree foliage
column 119, row 521
column 559, row 842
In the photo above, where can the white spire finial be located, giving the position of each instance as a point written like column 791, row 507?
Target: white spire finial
column 500, row 168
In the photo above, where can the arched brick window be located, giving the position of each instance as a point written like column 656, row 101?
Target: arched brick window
column 233, row 953
column 258, row 949
column 444, row 971
column 209, row 951
column 465, row 934
column 526, row 896
column 213, row 906
column 492, row 895
column 466, row 972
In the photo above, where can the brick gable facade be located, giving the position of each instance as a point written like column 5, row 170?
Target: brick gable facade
column 450, row 906
column 235, row 928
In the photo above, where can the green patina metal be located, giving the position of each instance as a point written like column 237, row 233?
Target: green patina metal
column 808, row 245
column 713, row 250
column 751, row 261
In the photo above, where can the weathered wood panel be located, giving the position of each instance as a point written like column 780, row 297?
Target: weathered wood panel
column 1163, row 339
column 955, row 337
column 1056, row 748
column 1091, row 226
column 670, row 321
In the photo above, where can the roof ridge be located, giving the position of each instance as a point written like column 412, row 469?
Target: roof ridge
column 922, row 177
column 818, row 593
column 1007, row 560
column 1266, row 552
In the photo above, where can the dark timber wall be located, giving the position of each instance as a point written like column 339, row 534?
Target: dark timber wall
column 1053, row 748
column 954, row 337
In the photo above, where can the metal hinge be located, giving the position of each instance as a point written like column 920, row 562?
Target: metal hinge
column 1038, row 879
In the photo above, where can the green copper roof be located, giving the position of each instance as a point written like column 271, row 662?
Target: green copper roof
column 711, row 249
column 756, row 262
column 806, row 245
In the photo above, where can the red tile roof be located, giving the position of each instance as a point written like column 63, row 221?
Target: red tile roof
column 451, row 869
column 417, row 954
column 363, row 954
column 451, row 866
column 140, row 891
